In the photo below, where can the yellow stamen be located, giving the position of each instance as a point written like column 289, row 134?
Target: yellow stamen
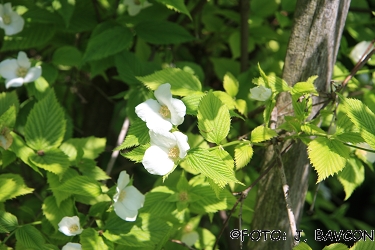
column 73, row 228
column 174, row 153
column 122, row 195
column 164, row 111
column 21, row 72
column 6, row 19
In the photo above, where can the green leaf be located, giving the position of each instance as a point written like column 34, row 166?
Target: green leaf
column 90, row 169
column 137, row 153
column 336, row 246
column 182, row 82
column 262, row 133
column 241, row 106
column 137, row 134
column 327, row 156
column 65, row 8
column 55, row 212
column 362, row 117
column 45, row 126
column 312, row 129
column 91, row 146
column 8, row 118
column 191, row 102
column 8, row 99
column 230, row 84
column 36, row 35
column 53, row 160
column 39, row 88
column 80, row 185
column 226, row 99
column 55, row 181
column 243, row 154
column 177, row 5
column 307, row 87
column 29, row 237
column 363, row 245
column 67, row 56
column 11, row 186
column 107, row 43
column 8, row 222
column 210, row 166
column 351, row 137
column 90, row 239
column 352, row 176
column 162, row 32
column 213, row 119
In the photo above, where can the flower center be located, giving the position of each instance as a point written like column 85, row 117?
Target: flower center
column 6, row 19
column 122, row 195
column 73, row 228
column 164, row 111
column 183, row 196
column 137, row 2
column 174, row 153
column 21, row 72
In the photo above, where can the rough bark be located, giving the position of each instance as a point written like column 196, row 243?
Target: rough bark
column 312, row 50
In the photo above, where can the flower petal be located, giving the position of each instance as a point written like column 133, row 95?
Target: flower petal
column 162, row 139
column 148, row 111
column 134, row 199
column 156, row 161
column 8, row 68
column 33, row 74
column 16, row 26
column 72, row 246
column 15, row 82
column 260, row 93
column 66, row 223
column 124, row 213
column 23, row 60
column 178, row 111
column 190, row 238
column 122, row 180
column 182, row 143
column 163, row 94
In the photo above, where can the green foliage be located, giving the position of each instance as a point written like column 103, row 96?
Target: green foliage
column 29, row 237
column 262, row 133
column 243, row 154
column 12, row 185
column 8, row 222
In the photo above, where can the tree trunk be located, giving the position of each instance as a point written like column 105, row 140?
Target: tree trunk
column 312, row 50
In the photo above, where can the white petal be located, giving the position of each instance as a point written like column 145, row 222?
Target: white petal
column 123, row 180
column 8, row 68
column 163, row 94
column 190, row 238
column 133, row 198
column 23, row 60
column 33, row 74
column 359, row 50
column 162, row 139
column 66, row 223
column 15, row 82
column 15, row 26
column 8, row 8
column 260, row 93
column 148, row 111
column 72, row 246
column 124, row 213
column 2, row 10
column 182, row 143
column 178, row 111
column 156, row 161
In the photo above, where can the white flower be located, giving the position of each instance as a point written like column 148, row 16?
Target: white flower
column 18, row 71
column 10, row 21
column 358, row 51
column 166, row 148
column 369, row 156
column 70, row 226
column 127, row 199
column 190, row 238
column 260, row 93
column 164, row 112
column 135, row 6
column 72, row 246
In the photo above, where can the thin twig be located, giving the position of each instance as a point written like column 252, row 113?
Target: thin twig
column 120, row 139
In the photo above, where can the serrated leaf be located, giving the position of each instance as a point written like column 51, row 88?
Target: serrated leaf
column 262, row 133
column 90, row 239
column 55, row 181
column 80, row 185
column 177, row 5
column 137, row 134
column 336, row 246
column 362, row 117
column 67, row 56
column 191, row 102
column 29, row 237
column 302, row 246
column 45, row 126
column 137, row 153
column 276, row 84
column 210, row 166
column 11, row 186
column 107, row 43
column 350, row 137
column 352, row 176
column 363, row 245
column 225, row 156
column 243, row 154
column 327, row 156
column 53, row 160
column 312, row 129
column 91, row 146
column 90, row 169
column 54, row 212
column 8, row 118
column 65, row 8
column 7, row 99
column 241, row 106
column 230, row 84
column 182, row 83
column 226, row 99
column 307, row 87
column 162, row 32
column 8, row 222
column 37, row 34
column 213, row 119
